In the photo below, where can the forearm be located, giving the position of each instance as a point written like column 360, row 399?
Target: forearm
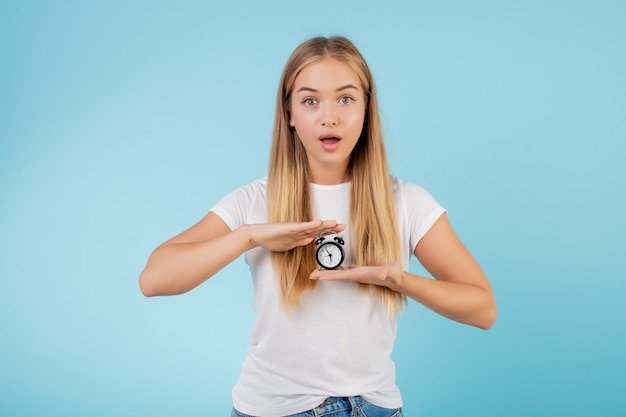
column 176, row 268
column 465, row 303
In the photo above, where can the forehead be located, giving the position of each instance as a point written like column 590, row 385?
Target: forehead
column 329, row 73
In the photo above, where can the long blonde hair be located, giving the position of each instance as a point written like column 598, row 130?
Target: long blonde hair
column 373, row 217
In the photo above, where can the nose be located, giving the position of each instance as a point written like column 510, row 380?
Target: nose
column 329, row 116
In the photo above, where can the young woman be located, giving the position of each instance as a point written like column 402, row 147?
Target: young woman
column 323, row 336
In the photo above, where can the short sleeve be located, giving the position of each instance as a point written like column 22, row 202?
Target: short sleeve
column 418, row 210
column 239, row 206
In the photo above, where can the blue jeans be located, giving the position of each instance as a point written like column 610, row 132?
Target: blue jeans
column 342, row 407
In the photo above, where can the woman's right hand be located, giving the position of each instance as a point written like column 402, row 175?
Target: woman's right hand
column 279, row 237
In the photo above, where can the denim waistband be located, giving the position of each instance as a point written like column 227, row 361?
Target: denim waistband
column 334, row 404
column 341, row 406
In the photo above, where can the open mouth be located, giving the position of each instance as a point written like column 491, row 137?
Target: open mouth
column 329, row 138
column 330, row 142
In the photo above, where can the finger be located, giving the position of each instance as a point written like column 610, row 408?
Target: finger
column 334, row 275
column 337, row 227
column 319, row 227
column 303, row 242
column 331, row 226
column 357, row 273
column 305, row 227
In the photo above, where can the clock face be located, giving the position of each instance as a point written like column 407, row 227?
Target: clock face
column 329, row 255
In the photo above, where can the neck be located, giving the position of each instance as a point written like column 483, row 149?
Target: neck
column 330, row 176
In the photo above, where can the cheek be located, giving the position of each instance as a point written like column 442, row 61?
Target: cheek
column 300, row 120
column 356, row 120
column 294, row 118
column 355, row 115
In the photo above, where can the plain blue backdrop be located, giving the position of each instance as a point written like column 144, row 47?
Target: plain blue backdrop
column 122, row 122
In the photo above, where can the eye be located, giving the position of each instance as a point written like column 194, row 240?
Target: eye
column 309, row 101
column 345, row 100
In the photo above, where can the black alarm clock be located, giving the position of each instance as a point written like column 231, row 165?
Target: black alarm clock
column 330, row 253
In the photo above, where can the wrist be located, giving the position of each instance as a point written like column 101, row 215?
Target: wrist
column 247, row 233
column 394, row 277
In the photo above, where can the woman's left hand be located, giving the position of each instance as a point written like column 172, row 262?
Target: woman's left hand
column 376, row 275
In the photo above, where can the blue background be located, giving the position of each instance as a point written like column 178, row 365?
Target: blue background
column 121, row 123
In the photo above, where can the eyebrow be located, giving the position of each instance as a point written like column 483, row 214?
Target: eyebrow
column 345, row 87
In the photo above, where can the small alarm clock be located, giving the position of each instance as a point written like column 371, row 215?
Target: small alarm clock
column 330, row 253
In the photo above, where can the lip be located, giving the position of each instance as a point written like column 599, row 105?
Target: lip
column 329, row 135
column 329, row 146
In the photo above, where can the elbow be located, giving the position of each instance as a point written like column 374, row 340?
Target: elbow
column 146, row 285
column 489, row 314
column 153, row 285
column 488, row 319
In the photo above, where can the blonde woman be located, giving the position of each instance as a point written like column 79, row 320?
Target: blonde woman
column 326, row 292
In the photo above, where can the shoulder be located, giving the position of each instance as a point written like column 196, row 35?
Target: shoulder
column 250, row 191
column 255, row 187
column 245, row 194
column 417, row 210
column 245, row 204
column 406, row 190
column 415, row 202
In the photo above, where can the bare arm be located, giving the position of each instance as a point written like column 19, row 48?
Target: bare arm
column 460, row 290
column 187, row 260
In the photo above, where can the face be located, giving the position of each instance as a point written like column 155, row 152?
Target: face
column 328, row 111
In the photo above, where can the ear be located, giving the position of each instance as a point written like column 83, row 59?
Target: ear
column 291, row 123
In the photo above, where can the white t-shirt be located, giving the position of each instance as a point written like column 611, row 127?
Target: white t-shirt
column 339, row 341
